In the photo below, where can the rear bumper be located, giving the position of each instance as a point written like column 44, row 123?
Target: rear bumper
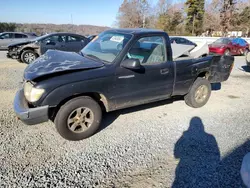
column 29, row 116
column 216, row 51
column 221, row 67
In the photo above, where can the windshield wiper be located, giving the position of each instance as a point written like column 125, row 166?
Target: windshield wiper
column 94, row 57
column 81, row 53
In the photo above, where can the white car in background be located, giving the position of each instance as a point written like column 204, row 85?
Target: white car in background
column 7, row 38
column 198, row 49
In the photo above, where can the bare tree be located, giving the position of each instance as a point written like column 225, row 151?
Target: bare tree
column 227, row 12
column 212, row 16
column 133, row 13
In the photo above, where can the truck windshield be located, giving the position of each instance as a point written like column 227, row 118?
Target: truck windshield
column 106, row 46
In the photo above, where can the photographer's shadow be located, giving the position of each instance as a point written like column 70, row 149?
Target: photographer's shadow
column 199, row 157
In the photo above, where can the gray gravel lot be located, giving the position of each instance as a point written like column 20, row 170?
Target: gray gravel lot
column 2, row 55
column 157, row 145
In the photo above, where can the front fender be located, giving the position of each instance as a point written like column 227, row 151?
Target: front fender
column 64, row 92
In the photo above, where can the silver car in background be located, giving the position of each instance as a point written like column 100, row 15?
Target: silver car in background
column 7, row 38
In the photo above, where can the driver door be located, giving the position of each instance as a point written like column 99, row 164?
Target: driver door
column 152, row 82
column 54, row 42
column 235, row 47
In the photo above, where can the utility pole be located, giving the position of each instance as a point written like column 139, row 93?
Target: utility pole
column 194, row 19
column 71, row 22
column 143, row 22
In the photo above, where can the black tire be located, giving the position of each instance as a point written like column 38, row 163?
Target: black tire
column 245, row 52
column 248, row 59
column 227, row 52
column 190, row 98
column 19, row 60
column 61, row 119
column 28, row 56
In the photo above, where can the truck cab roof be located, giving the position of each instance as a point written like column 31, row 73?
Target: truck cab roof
column 137, row 31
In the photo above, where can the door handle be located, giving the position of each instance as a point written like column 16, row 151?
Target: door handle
column 164, row 71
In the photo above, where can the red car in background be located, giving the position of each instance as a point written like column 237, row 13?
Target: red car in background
column 229, row 46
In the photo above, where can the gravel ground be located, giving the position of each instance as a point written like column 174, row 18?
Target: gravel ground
column 2, row 55
column 157, row 145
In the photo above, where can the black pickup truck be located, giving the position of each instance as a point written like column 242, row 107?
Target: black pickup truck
column 119, row 68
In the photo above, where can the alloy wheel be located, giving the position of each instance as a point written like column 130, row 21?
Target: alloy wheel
column 201, row 94
column 80, row 119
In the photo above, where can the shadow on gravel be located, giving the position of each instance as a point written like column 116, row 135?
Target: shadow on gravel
column 245, row 68
column 229, row 170
column 200, row 165
column 109, row 118
column 199, row 157
column 216, row 86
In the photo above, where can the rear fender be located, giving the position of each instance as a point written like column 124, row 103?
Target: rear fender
column 221, row 67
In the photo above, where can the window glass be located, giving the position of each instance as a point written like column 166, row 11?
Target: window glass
column 6, row 36
column 55, row 38
column 106, row 46
column 62, row 38
column 183, row 41
column 149, row 50
column 74, row 39
column 173, row 40
column 17, row 35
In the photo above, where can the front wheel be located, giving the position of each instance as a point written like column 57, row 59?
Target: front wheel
column 28, row 56
column 199, row 93
column 79, row 118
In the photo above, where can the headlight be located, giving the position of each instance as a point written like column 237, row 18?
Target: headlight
column 31, row 93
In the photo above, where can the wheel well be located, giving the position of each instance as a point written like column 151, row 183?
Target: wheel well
column 204, row 74
column 28, row 48
column 99, row 98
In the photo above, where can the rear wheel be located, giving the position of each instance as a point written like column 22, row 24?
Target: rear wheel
column 227, row 52
column 199, row 93
column 78, row 119
column 245, row 52
column 28, row 56
column 248, row 58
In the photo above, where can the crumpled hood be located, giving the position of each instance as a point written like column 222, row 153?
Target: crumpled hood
column 20, row 43
column 54, row 61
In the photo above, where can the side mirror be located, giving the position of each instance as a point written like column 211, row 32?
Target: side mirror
column 133, row 64
column 50, row 42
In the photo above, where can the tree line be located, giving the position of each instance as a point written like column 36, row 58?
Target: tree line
column 41, row 29
column 187, row 17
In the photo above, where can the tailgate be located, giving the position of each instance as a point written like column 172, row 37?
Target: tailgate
column 221, row 67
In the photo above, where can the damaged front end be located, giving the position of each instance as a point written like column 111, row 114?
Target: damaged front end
column 221, row 68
